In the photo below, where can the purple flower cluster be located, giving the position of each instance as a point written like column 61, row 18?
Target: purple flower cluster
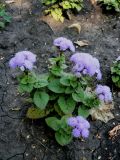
column 85, row 64
column 80, row 126
column 23, row 60
column 64, row 44
column 104, row 93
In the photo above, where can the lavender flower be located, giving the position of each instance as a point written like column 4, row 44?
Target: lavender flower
column 72, row 121
column 85, row 133
column 85, row 64
column 64, row 44
column 23, row 60
column 104, row 93
column 80, row 126
column 76, row 133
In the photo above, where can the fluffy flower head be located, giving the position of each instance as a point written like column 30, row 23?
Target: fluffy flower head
column 76, row 133
column 64, row 44
column 23, row 60
column 85, row 133
column 72, row 121
column 104, row 93
column 79, row 125
column 86, row 64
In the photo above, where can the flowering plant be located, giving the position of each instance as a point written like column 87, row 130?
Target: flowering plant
column 65, row 98
column 59, row 7
column 115, row 71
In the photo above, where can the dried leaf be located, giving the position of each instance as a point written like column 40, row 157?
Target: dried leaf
column 35, row 113
column 82, row 43
column 69, row 15
column 77, row 26
column 93, row 2
column 102, row 113
column 10, row 1
column 15, row 109
column 114, row 132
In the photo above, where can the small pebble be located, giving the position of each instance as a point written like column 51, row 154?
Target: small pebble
column 1, row 58
column 26, row 154
column 28, row 136
column 119, row 94
column 99, row 157
column 33, row 146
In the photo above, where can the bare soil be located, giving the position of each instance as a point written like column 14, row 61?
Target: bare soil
column 23, row 139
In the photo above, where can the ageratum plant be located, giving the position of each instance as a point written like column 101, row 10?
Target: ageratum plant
column 110, row 4
column 64, row 98
column 4, row 16
column 59, row 8
column 115, row 71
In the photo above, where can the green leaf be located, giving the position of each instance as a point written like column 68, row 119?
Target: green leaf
column 44, row 76
column 78, row 97
column 25, row 88
column 91, row 100
column 65, row 81
column 41, row 80
column 58, row 110
column 41, row 83
column 36, row 113
column 24, row 80
column 66, row 5
column 62, row 19
column 73, row 83
column 63, row 138
column 53, row 123
column 55, row 15
column 69, row 90
column 56, row 87
column 2, row 24
column 56, row 70
column 28, row 79
column 48, row 2
column 113, row 69
column 31, row 79
column 41, row 99
column 53, row 96
column 82, row 111
column 64, row 124
column 7, row 18
column 67, row 105
column 115, row 78
column 79, row 89
column 118, row 84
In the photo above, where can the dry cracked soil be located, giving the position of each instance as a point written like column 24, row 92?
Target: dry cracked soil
column 23, row 139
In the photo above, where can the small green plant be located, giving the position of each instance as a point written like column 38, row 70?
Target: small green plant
column 111, row 4
column 4, row 16
column 63, row 97
column 58, row 8
column 115, row 70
